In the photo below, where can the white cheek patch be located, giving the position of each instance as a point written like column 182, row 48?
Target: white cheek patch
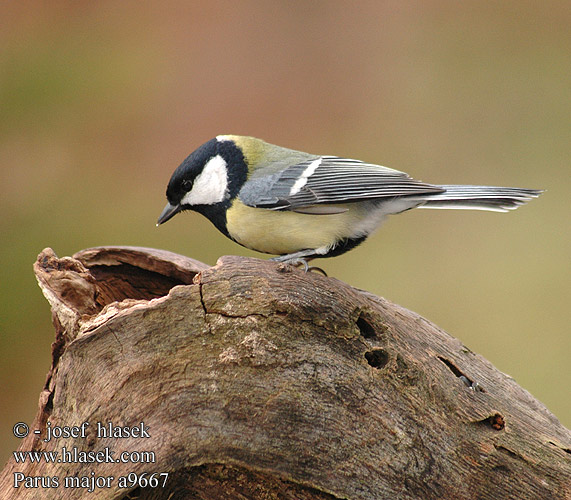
column 210, row 186
column 306, row 174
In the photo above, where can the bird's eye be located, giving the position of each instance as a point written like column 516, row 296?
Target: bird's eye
column 187, row 184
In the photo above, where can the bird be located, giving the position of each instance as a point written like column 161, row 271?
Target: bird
column 300, row 206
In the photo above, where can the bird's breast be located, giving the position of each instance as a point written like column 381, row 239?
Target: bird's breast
column 281, row 232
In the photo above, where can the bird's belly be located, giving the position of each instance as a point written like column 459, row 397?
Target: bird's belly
column 282, row 232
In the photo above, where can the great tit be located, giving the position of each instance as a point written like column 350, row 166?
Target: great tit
column 301, row 206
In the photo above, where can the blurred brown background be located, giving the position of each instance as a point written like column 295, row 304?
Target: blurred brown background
column 100, row 101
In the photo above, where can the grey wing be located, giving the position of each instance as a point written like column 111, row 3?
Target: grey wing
column 329, row 180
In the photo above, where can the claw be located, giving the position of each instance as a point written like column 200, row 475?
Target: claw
column 316, row 269
column 299, row 262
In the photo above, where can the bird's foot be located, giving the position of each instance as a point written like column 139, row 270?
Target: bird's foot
column 301, row 262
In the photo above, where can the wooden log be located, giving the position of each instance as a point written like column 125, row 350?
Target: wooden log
column 253, row 379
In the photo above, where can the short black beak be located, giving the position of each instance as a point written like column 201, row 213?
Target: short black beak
column 168, row 213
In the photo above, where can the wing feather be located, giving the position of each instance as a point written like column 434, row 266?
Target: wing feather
column 330, row 180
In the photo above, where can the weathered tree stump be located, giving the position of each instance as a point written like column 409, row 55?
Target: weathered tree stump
column 255, row 380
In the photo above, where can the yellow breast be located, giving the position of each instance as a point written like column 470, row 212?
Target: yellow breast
column 281, row 232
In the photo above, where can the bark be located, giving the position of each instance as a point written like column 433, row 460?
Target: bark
column 255, row 380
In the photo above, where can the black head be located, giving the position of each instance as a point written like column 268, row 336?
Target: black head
column 207, row 181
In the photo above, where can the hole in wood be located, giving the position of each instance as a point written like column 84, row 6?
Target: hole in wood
column 453, row 368
column 495, row 421
column 123, row 281
column 566, row 450
column 367, row 330
column 377, row 358
column 456, row 371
